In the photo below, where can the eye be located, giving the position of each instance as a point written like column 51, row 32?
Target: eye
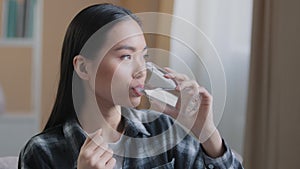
column 146, row 56
column 126, row 57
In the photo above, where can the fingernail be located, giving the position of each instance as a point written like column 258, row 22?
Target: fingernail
column 169, row 75
column 99, row 131
column 166, row 68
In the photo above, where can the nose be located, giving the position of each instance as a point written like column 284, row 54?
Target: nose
column 139, row 69
column 139, row 65
column 140, row 72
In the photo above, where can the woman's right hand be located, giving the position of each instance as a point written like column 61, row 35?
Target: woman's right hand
column 95, row 154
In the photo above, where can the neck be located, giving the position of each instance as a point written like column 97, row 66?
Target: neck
column 99, row 113
column 111, row 114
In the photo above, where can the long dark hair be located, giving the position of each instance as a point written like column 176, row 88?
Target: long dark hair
column 82, row 27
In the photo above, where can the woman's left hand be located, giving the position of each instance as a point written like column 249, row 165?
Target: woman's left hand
column 194, row 111
column 193, row 108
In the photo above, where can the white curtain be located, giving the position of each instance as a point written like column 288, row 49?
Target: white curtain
column 227, row 24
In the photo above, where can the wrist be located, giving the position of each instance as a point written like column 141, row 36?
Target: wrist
column 203, row 133
column 214, row 146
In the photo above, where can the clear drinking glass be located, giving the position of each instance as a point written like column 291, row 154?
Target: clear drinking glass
column 162, row 89
column 159, row 87
column 155, row 78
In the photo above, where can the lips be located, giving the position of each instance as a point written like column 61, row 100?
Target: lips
column 137, row 90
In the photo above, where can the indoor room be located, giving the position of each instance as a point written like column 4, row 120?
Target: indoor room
column 242, row 56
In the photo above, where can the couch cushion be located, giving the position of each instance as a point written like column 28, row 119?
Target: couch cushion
column 8, row 162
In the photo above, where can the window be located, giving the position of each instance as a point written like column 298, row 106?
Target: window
column 18, row 18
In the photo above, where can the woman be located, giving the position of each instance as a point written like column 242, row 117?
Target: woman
column 105, row 48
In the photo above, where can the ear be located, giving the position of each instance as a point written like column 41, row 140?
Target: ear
column 80, row 66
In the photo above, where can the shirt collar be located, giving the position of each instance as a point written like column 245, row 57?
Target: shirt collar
column 133, row 124
column 133, row 127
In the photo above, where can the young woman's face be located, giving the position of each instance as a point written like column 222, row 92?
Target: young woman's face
column 121, row 72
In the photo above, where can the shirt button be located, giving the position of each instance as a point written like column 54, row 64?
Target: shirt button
column 210, row 166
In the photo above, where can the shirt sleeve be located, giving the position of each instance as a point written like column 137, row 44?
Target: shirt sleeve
column 226, row 161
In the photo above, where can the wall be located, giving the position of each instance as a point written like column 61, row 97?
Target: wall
column 15, row 78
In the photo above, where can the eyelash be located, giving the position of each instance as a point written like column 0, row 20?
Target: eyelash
column 123, row 57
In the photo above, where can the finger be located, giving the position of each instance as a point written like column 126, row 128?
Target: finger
column 178, row 77
column 202, row 90
column 95, row 140
column 206, row 96
column 99, row 131
column 190, row 84
column 100, row 150
column 169, row 70
column 90, row 137
column 106, row 156
column 111, row 163
column 189, row 98
column 83, row 153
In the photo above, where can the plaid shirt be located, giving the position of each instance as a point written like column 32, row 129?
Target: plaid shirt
column 151, row 140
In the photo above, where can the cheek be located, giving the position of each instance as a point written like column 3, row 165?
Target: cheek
column 121, row 78
column 112, row 79
column 104, row 76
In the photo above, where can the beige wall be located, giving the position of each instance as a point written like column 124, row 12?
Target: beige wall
column 15, row 78
column 57, row 16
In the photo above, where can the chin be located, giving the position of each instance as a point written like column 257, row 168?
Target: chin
column 135, row 102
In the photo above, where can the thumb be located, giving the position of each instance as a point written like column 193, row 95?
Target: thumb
column 97, row 136
column 94, row 134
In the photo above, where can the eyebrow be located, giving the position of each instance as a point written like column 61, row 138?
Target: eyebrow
column 126, row 47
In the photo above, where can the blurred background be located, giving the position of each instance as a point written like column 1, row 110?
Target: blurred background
column 257, row 42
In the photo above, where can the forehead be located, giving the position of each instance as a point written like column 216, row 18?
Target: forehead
column 123, row 33
column 124, row 30
column 126, row 33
